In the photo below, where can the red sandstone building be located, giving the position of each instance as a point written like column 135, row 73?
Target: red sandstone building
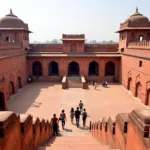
column 127, row 63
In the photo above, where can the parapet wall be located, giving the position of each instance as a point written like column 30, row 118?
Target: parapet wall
column 125, row 131
column 87, row 47
column 23, row 132
column 140, row 44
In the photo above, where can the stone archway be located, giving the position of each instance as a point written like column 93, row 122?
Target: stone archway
column 73, row 69
column 53, row 69
column 11, row 88
column 93, row 68
column 138, row 90
column 148, row 97
column 19, row 83
column 2, row 101
column 129, row 86
column 37, row 68
column 110, row 69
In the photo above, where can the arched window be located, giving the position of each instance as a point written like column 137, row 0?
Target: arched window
column 138, row 90
column 110, row 69
column 19, row 83
column 141, row 38
column 7, row 39
column 11, row 88
column 37, row 68
column 53, row 69
column 93, row 68
column 73, row 68
column 73, row 47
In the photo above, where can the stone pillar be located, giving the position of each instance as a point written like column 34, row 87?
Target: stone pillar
column 121, row 130
column 42, row 131
column 45, row 68
column 102, row 69
column 36, row 132
column 111, row 132
column 26, row 131
column 63, row 68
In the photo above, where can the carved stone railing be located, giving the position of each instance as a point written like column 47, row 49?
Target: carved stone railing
column 139, row 44
column 102, row 45
column 4, row 45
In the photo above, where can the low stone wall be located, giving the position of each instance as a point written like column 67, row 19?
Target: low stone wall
column 125, row 131
column 83, row 82
column 64, row 82
column 22, row 132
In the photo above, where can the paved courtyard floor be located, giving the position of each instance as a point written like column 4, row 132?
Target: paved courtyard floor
column 44, row 99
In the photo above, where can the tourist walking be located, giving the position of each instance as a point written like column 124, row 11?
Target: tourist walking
column 77, row 116
column 55, row 122
column 80, row 105
column 106, row 83
column 93, row 82
column 84, row 116
column 72, row 113
column 62, row 118
column 95, row 86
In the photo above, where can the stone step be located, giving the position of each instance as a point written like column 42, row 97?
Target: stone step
column 74, row 82
column 74, row 147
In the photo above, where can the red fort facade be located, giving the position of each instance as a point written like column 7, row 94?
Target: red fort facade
column 127, row 62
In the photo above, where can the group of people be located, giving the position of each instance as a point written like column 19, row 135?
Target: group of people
column 73, row 114
column 104, row 84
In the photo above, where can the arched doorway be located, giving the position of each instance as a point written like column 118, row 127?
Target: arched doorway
column 37, row 68
column 129, row 84
column 53, row 69
column 19, row 83
column 93, row 68
column 11, row 88
column 2, row 101
column 73, row 69
column 148, row 97
column 138, row 90
column 110, row 69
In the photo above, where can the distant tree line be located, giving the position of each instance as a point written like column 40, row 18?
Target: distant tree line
column 56, row 41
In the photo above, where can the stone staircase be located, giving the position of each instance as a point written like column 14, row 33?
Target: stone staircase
column 74, row 82
column 86, row 142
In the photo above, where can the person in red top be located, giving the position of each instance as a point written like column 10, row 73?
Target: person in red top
column 63, row 118
column 55, row 122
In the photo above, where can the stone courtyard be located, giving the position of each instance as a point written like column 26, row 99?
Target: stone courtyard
column 43, row 99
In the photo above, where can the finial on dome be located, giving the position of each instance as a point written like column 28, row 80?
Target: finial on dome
column 137, row 9
column 11, row 11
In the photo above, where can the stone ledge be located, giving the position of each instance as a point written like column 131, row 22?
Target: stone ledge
column 26, row 121
column 140, row 119
column 7, row 120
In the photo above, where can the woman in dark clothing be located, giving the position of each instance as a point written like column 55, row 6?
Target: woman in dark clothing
column 72, row 114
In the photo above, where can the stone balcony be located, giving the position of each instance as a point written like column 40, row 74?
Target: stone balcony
column 6, row 45
column 139, row 44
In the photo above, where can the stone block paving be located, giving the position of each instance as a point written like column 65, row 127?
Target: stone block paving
column 44, row 99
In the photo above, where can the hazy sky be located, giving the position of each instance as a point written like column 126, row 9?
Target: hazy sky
column 97, row 19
